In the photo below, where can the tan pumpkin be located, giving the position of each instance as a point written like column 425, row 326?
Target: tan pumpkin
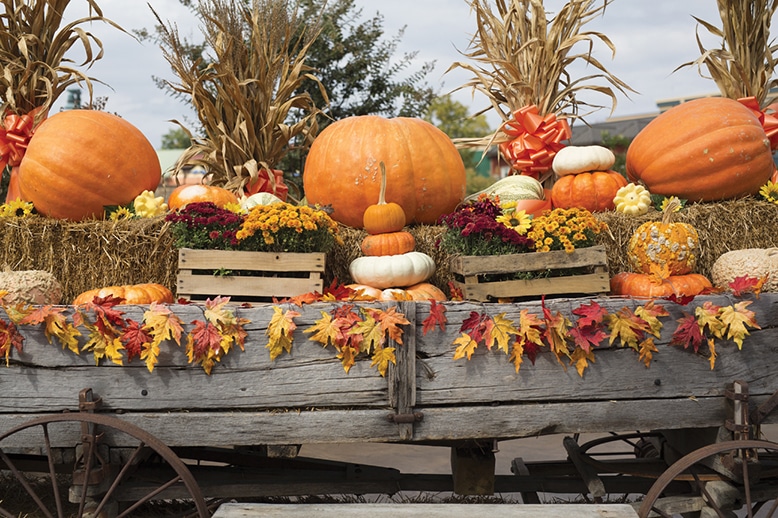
column 669, row 246
column 702, row 150
column 144, row 293
column 425, row 172
column 391, row 243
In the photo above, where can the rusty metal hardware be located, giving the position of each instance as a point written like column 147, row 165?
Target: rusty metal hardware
column 405, row 418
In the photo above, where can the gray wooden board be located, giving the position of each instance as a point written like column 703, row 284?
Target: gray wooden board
column 306, row 397
column 234, row 510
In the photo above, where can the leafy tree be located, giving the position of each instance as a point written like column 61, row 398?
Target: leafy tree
column 618, row 144
column 452, row 117
column 176, row 138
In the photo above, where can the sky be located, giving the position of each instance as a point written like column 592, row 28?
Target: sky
column 652, row 38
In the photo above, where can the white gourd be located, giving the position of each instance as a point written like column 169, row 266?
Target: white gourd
column 752, row 262
column 392, row 271
column 582, row 159
column 514, row 187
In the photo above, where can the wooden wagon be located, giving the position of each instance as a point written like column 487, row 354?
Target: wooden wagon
column 124, row 435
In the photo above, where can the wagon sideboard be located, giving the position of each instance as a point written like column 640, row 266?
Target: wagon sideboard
column 306, row 397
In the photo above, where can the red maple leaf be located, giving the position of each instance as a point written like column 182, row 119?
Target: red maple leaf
column 338, row 291
column 437, row 317
column 590, row 314
column 747, row 284
column 688, row 333
column 531, row 351
column 683, row 300
column 588, row 336
column 10, row 338
column 205, row 336
column 134, row 338
column 456, row 293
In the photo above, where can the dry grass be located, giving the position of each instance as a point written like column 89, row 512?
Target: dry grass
column 246, row 97
column 34, row 45
column 519, row 58
column 91, row 254
column 744, row 64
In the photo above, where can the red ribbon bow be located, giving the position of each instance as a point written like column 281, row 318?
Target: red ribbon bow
column 274, row 184
column 768, row 121
column 535, row 139
column 15, row 134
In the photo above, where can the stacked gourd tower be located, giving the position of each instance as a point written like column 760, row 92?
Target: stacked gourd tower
column 391, row 267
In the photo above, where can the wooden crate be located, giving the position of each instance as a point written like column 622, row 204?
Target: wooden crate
column 470, row 274
column 247, row 276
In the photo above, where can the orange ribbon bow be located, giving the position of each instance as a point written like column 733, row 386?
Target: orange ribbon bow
column 768, row 120
column 535, row 140
column 15, row 134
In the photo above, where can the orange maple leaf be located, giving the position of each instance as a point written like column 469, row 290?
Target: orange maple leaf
column 581, row 358
column 10, row 339
column 391, row 320
column 646, row 350
column 347, row 356
column 437, row 317
column 162, row 324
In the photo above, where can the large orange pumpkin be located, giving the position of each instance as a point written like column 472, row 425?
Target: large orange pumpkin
column 193, row 193
column 144, row 293
column 591, row 191
column 702, row 150
column 643, row 285
column 425, row 173
column 80, row 161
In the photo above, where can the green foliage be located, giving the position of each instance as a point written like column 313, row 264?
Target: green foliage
column 176, row 138
column 452, row 117
column 618, row 144
column 476, row 182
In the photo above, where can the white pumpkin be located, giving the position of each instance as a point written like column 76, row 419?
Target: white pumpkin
column 392, row 271
column 260, row 198
column 514, row 187
column 582, row 159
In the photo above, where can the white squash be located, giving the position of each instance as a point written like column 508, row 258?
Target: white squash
column 260, row 198
column 582, row 159
column 514, row 187
column 392, row 271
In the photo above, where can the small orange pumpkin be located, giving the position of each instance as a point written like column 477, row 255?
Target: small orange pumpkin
column 535, row 207
column 383, row 217
column 652, row 286
column 364, row 292
column 390, row 243
column 184, row 194
column 144, row 293
column 422, row 291
column 592, row 191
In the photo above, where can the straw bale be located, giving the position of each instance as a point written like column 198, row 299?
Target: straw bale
column 92, row 254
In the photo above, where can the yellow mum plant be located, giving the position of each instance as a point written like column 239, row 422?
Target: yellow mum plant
column 565, row 229
column 283, row 227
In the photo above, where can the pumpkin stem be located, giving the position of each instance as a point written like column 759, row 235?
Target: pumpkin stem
column 382, row 192
column 672, row 204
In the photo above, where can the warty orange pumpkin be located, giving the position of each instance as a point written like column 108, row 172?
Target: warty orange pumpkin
column 144, row 293
column 707, row 149
column 425, row 173
column 80, row 161
column 593, row 191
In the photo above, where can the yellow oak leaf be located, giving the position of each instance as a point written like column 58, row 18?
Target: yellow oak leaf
column 650, row 313
column 581, row 358
column 530, row 327
column 150, row 354
column 372, row 333
column 381, row 359
column 324, row 330
column 736, row 318
column 627, row 327
column 280, row 332
column 709, row 315
column 713, row 354
column 162, row 324
column 347, row 356
column 517, row 353
column 646, row 350
column 465, row 346
column 501, row 332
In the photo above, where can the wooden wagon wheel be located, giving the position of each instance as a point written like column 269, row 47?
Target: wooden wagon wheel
column 98, row 482
column 728, row 475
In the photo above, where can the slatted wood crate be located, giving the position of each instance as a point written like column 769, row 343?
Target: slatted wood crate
column 489, row 278
column 247, row 276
